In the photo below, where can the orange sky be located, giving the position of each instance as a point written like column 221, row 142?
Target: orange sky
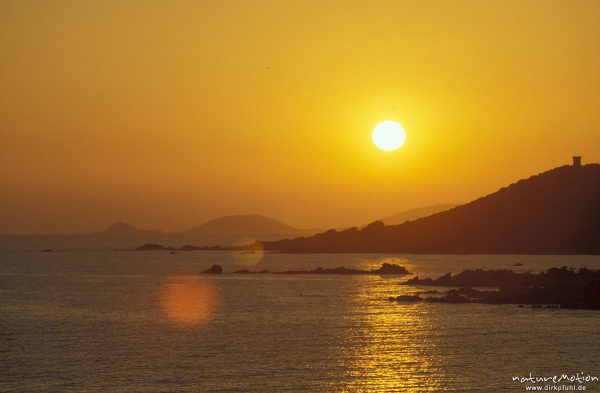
column 166, row 114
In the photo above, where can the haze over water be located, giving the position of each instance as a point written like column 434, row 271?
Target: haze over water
column 93, row 319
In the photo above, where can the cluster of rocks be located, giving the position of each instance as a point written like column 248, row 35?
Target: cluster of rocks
column 554, row 288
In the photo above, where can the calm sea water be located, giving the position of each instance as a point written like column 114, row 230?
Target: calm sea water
column 90, row 319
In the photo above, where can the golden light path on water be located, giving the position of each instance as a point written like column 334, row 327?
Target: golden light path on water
column 188, row 300
column 397, row 349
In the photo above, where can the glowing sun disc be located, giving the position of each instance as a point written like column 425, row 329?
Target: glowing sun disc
column 388, row 135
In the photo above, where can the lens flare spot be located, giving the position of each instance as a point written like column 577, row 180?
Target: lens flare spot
column 251, row 252
column 188, row 300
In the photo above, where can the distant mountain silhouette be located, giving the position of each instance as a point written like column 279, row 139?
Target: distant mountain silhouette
column 123, row 228
column 414, row 214
column 556, row 212
column 245, row 224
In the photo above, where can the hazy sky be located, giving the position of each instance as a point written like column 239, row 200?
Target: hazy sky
column 169, row 113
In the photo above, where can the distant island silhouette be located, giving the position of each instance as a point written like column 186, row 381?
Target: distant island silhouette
column 555, row 212
column 247, row 225
column 124, row 228
column 236, row 225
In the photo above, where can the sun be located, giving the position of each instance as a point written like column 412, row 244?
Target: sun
column 388, row 135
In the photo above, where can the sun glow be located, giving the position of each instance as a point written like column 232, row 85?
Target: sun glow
column 388, row 135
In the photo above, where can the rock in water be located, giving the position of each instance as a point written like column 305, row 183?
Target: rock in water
column 151, row 247
column 388, row 268
column 214, row 269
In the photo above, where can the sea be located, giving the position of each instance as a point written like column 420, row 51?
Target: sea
column 94, row 316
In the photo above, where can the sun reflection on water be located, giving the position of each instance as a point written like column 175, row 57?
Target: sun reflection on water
column 395, row 346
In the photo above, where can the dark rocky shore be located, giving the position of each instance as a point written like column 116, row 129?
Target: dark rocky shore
column 556, row 287
column 160, row 247
column 255, row 247
column 384, row 269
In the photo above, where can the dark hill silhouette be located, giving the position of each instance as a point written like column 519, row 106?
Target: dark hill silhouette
column 414, row 214
column 123, row 228
column 555, row 212
column 245, row 224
